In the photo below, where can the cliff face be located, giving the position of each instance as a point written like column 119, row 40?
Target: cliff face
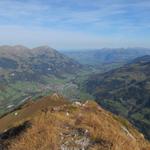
column 52, row 123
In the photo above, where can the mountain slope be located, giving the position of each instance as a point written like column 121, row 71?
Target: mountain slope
column 125, row 91
column 26, row 73
column 21, row 63
column 58, row 124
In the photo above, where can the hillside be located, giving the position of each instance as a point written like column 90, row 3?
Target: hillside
column 21, row 63
column 125, row 91
column 54, row 123
column 26, row 73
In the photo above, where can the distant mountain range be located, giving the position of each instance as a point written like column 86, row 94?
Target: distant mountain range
column 107, row 58
column 21, row 63
column 125, row 91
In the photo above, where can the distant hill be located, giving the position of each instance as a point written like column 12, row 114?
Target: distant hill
column 125, row 91
column 53, row 123
column 107, row 58
column 21, row 63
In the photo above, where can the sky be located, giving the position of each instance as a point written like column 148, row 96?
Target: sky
column 75, row 24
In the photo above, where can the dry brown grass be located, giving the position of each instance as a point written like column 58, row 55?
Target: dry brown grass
column 107, row 133
column 42, row 135
column 104, row 132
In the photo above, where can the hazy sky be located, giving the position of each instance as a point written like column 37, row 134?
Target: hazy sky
column 75, row 24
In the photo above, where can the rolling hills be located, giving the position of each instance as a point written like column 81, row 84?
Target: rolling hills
column 62, row 125
column 125, row 91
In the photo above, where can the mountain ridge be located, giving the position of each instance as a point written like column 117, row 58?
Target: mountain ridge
column 56, row 123
column 107, row 57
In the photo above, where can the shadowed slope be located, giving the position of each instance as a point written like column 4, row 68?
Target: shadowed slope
column 125, row 91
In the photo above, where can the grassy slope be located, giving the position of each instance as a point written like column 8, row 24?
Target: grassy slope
column 56, row 123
